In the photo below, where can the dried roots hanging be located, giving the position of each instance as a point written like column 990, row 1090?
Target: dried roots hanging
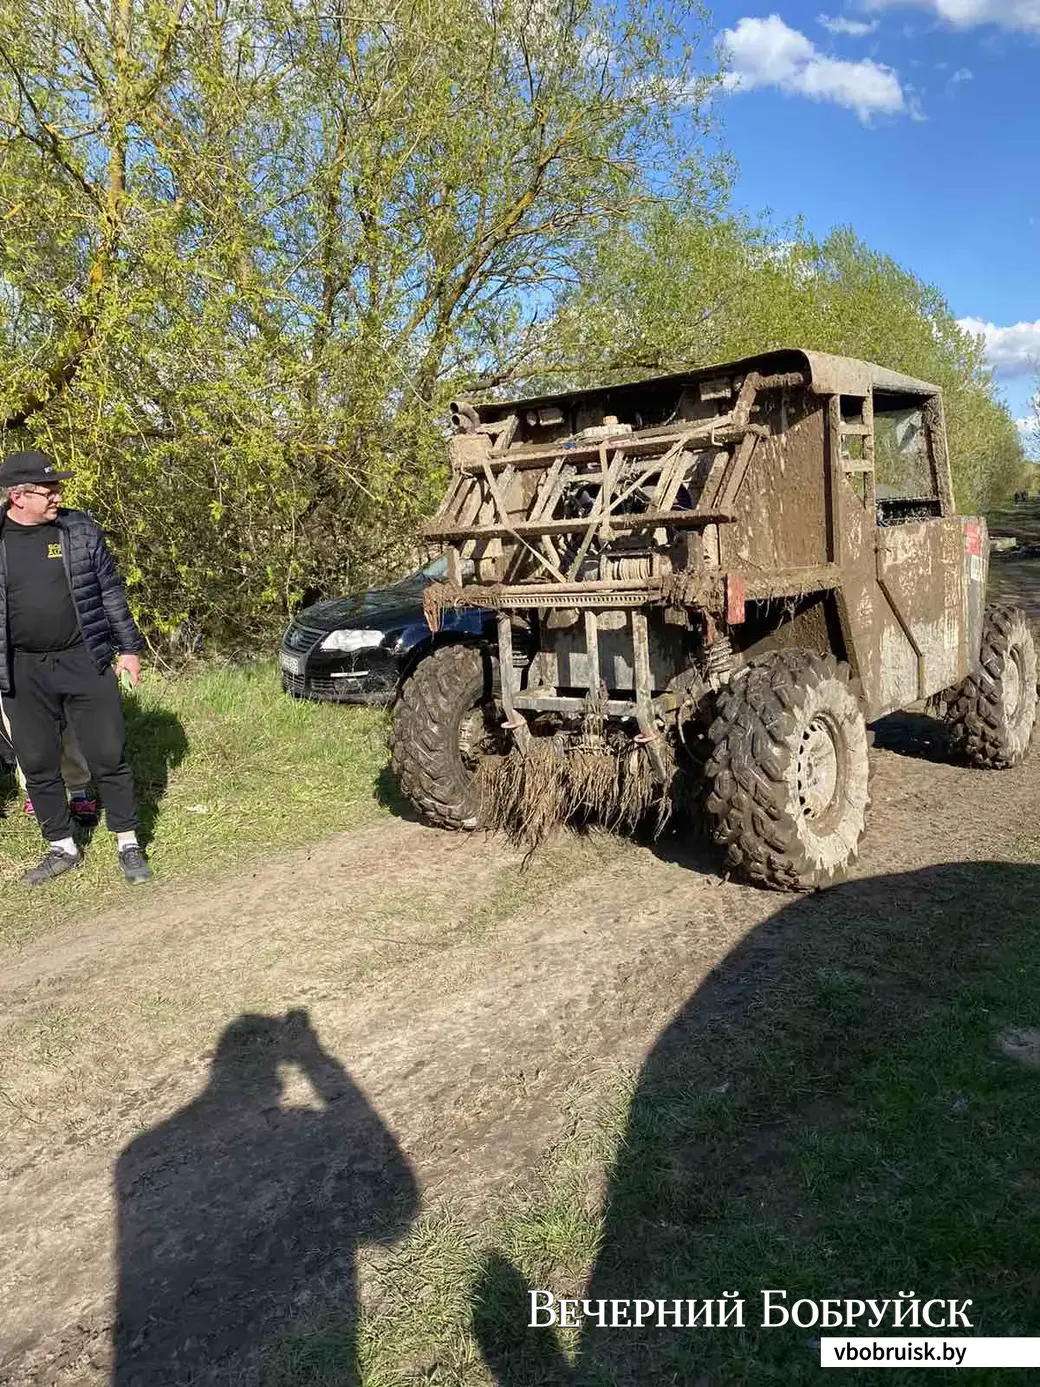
column 527, row 796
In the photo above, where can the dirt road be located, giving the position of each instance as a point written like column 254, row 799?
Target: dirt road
column 464, row 999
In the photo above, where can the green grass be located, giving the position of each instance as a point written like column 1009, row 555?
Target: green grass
column 831, row 1113
column 423, row 1296
column 228, row 768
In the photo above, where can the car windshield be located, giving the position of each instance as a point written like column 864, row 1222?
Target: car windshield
column 436, row 571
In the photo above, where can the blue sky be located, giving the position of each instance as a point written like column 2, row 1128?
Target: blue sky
column 916, row 123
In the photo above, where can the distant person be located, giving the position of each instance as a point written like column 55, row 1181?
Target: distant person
column 64, row 619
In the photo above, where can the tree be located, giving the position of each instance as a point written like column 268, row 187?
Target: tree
column 250, row 248
column 75, row 86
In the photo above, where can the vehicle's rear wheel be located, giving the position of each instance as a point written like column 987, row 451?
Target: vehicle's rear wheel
column 789, row 770
column 443, row 723
column 991, row 715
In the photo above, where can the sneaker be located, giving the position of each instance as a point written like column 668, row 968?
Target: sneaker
column 53, row 863
column 84, row 810
column 134, row 864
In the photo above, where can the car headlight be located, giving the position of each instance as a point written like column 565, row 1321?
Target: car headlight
column 344, row 641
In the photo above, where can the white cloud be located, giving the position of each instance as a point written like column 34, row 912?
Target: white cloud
column 1012, row 351
column 767, row 53
column 963, row 74
column 1021, row 15
column 851, row 28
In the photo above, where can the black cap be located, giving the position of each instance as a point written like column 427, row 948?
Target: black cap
column 30, row 469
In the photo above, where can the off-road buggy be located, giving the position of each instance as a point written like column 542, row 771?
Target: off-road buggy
column 707, row 585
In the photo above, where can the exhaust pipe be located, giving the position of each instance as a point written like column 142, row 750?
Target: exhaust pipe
column 464, row 418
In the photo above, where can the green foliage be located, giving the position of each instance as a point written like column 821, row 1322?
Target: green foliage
column 250, row 249
column 1032, row 441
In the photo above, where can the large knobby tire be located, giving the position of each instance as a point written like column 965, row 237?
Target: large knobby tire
column 443, row 718
column 789, row 770
column 992, row 714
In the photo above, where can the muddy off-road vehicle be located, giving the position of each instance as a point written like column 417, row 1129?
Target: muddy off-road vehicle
column 707, row 585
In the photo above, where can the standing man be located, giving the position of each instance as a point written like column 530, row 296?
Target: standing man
column 64, row 618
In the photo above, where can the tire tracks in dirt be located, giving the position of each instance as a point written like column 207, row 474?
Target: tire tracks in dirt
column 468, row 1000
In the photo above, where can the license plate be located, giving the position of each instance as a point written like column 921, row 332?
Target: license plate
column 292, row 664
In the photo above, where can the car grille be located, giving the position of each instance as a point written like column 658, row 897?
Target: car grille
column 301, row 687
column 341, row 690
column 299, row 637
column 336, row 690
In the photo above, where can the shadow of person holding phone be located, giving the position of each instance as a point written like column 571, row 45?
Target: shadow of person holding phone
column 240, row 1216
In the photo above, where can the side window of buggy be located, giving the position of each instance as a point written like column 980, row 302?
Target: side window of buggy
column 906, row 487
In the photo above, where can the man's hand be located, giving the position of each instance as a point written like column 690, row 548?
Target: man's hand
column 132, row 665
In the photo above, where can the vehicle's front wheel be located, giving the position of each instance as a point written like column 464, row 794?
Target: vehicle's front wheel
column 992, row 714
column 789, row 770
column 443, row 723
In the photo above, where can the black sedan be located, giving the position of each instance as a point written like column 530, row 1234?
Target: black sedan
column 358, row 649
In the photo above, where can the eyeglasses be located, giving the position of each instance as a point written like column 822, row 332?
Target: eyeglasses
column 53, row 490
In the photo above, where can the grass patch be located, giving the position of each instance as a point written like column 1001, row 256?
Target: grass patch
column 228, row 768
column 836, row 1112
column 424, row 1297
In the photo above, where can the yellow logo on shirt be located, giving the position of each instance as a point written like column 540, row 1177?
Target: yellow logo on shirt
column 54, row 551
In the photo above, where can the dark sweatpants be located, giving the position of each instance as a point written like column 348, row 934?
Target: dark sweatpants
column 48, row 690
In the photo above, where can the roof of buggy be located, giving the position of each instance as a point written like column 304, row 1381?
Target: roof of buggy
column 827, row 375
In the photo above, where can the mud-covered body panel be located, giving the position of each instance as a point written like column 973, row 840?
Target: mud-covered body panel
column 721, row 503
column 780, row 514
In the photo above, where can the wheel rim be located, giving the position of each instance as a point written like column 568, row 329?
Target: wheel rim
column 1013, row 684
column 820, row 770
column 476, row 737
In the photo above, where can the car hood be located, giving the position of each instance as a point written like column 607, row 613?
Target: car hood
column 380, row 609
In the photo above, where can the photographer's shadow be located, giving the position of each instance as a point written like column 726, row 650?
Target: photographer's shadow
column 238, row 1216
